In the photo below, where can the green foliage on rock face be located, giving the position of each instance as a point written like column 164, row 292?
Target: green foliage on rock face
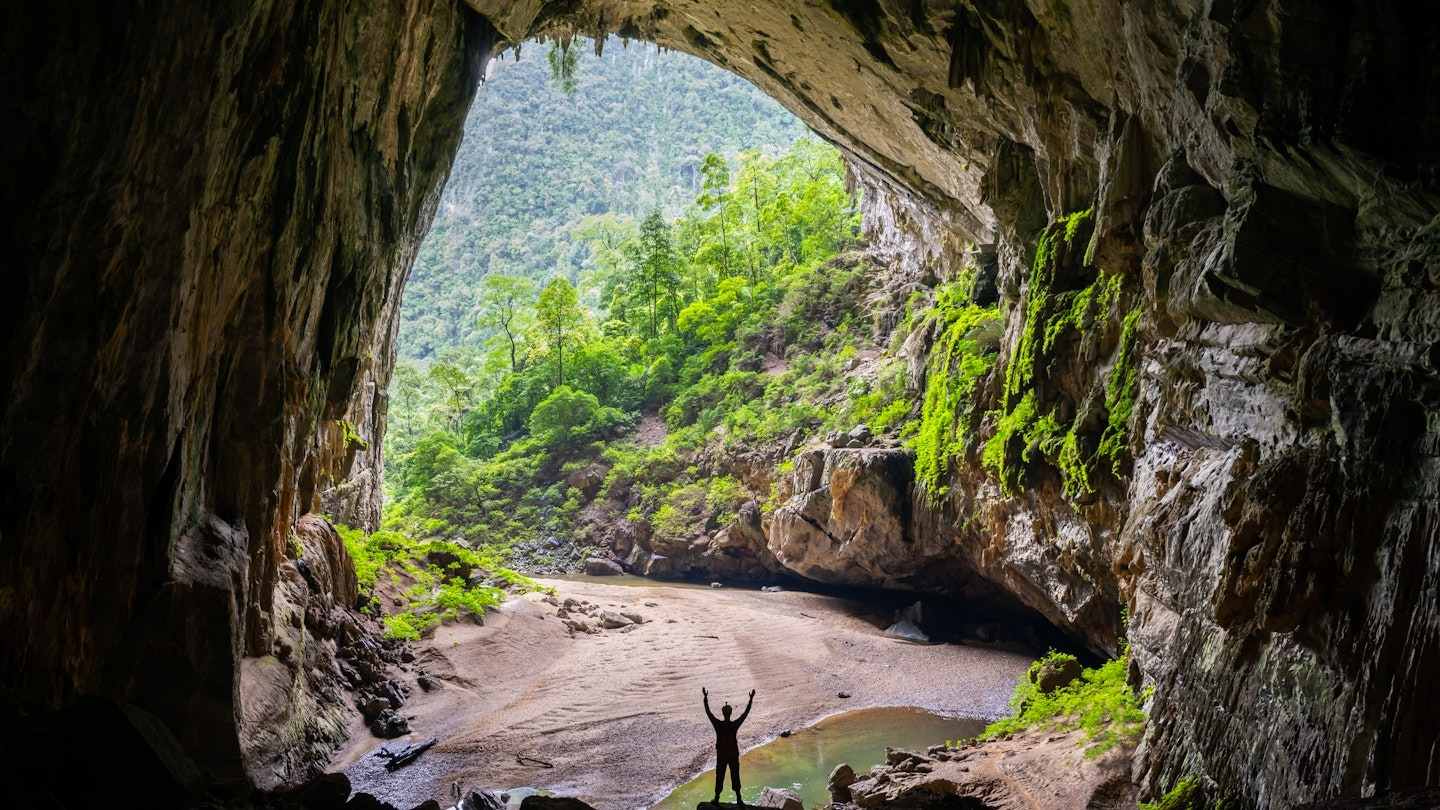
column 1120, row 395
column 958, row 360
column 351, row 436
column 1187, row 794
column 1099, row 703
column 1059, row 321
column 438, row 580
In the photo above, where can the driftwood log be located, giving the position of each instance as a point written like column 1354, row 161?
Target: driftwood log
column 396, row 760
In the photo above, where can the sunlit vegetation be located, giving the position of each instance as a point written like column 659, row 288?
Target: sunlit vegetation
column 735, row 323
column 435, row 581
column 1100, row 703
column 562, row 142
column 964, row 353
column 1187, row 794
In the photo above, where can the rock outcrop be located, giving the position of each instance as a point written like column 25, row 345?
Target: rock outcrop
column 1034, row 769
column 213, row 238
column 330, row 662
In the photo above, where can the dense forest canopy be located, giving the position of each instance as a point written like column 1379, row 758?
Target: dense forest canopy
column 537, row 161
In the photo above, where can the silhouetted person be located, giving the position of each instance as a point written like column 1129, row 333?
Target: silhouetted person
column 727, row 746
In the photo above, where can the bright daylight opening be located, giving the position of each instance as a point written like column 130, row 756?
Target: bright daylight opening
column 649, row 434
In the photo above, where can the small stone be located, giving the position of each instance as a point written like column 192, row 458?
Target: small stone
column 716, row 585
column 842, row 695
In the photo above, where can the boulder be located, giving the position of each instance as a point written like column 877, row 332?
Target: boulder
column 481, row 800
column 840, row 781
column 602, row 567
column 326, row 791
column 1020, row 771
column 553, row 803
column 612, row 620
column 1055, row 672
column 780, row 798
column 388, row 724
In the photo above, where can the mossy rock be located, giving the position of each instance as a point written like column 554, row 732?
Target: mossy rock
column 1055, row 672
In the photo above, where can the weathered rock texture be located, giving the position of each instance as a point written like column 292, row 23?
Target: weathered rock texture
column 296, row 704
column 1036, row 769
column 216, row 207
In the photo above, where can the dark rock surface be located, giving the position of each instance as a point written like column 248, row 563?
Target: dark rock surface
column 215, row 210
column 208, row 248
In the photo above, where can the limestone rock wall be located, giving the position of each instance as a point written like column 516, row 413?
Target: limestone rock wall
column 213, row 208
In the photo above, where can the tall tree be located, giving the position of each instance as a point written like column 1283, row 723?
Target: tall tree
column 655, row 268
column 715, row 194
column 457, row 386
column 559, row 313
column 504, row 306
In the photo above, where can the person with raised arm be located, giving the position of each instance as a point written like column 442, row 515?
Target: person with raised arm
column 727, row 744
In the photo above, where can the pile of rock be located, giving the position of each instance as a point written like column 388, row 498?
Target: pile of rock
column 1017, row 771
column 584, row 616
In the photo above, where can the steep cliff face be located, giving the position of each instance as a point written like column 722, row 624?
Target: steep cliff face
column 214, row 209
column 217, row 207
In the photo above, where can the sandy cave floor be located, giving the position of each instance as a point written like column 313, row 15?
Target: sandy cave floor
column 619, row 714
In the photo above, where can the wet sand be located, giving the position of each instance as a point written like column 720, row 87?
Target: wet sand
column 619, row 716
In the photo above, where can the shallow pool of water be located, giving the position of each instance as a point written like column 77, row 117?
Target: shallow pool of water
column 803, row 761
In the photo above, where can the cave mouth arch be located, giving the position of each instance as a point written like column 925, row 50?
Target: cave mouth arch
column 211, row 240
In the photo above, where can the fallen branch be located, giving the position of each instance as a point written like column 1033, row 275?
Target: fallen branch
column 717, row 638
column 396, row 760
column 522, row 759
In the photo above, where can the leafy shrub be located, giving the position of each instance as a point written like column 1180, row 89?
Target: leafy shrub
column 1099, row 702
column 567, row 417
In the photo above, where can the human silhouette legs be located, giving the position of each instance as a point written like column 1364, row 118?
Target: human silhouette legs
column 734, row 768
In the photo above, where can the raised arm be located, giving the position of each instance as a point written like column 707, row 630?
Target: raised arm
column 748, row 704
column 708, row 713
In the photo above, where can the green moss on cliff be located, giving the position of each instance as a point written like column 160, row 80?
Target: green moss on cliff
column 957, row 362
column 1120, row 396
column 1049, row 316
column 431, row 575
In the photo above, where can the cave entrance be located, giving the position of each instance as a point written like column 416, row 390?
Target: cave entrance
column 641, row 344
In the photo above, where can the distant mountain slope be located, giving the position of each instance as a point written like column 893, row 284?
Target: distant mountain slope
column 535, row 160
